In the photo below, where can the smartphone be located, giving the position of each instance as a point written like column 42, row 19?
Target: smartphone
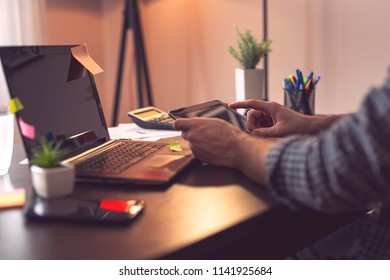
column 151, row 118
column 75, row 209
column 211, row 109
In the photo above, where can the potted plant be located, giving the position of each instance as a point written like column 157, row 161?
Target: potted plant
column 249, row 79
column 51, row 179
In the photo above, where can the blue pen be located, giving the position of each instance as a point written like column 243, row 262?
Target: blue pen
column 288, row 84
column 297, row 85
column 317, row 79
column 310, row 76
column 299, row 79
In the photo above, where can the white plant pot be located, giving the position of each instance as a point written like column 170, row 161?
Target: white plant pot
column 249, row 84
column 53, row 182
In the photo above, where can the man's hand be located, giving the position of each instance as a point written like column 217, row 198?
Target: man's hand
column 217, row 142
column 212, row 140
column 271, row 119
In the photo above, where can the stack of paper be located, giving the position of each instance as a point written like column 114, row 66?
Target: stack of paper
column 134, row 132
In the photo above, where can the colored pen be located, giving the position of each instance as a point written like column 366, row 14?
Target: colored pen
column 288, row 84
column 317, row 79
column 297, row 84
column 310, row 76
column 292, row 79
column 299, row 79
column 308, row 85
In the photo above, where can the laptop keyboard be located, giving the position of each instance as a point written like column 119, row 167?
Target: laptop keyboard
column 118, row 158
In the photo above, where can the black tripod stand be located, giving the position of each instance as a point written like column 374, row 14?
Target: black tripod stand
column 265, row 38
column 132, row 21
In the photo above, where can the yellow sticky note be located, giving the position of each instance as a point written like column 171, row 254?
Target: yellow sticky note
column 14, row 198
column 175, row 147
column 15, row 105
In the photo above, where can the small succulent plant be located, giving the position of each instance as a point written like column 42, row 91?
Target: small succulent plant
column 47, row 155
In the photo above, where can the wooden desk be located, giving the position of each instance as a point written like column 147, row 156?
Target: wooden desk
column 208, row 213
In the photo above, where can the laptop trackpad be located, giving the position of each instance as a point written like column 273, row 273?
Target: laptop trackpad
column 158, row 168
column 163, row 161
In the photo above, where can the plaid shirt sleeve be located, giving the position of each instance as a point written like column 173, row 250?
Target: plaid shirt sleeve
column 347, row 167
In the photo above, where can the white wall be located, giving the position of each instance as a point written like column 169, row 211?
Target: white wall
column 352, row 51
column 70, row 22
column 345, row 42
column 20, row 23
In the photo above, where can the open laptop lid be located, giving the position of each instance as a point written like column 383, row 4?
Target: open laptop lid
column 60, row 103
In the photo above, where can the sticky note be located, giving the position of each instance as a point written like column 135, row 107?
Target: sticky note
column 81, row 54
column 175, row 147
column 26, row 129
column 14, row 198
column 15, row 105
column 76, row 70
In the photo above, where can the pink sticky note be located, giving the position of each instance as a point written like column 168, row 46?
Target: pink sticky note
column 26, row 129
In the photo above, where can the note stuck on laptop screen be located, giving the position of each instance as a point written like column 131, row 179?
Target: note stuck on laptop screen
column 61, row 103
column 57, row 108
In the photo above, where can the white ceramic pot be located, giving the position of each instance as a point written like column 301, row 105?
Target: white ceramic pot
column 53, row 182
column 249, row 84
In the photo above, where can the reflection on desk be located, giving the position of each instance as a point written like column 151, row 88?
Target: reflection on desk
column 208, row 213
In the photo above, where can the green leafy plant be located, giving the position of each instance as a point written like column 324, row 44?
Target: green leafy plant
column 47, row 155
column 250, row 51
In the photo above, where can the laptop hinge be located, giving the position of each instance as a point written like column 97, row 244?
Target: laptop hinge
column 90, row 153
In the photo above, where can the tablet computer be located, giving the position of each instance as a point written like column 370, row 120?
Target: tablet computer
column 211, row 109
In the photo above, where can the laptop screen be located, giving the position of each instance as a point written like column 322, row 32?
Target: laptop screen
column 57, row 104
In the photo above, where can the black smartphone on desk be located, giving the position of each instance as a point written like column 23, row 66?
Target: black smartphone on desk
column 211, row 109
column 75, row 209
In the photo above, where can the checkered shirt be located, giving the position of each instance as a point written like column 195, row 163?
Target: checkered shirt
column 344, row 168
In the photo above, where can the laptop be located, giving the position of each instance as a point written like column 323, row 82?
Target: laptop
column 69, row 110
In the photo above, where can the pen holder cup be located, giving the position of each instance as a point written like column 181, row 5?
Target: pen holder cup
column 301, row 101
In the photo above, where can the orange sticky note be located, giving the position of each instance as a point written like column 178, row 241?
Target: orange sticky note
column 26, row 129
column 15, row 105
column 81, row 54
column 76, row 70
column 14, row 198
